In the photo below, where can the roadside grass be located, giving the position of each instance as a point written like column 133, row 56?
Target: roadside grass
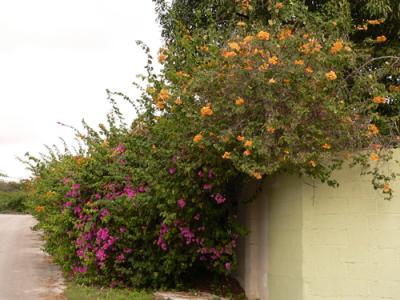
column 78, row 292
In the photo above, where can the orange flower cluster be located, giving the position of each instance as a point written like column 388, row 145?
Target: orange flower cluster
column 206, row 111
column 263, row 35
column 331, row 75
column 326, row 146
column 240, row 138
column 257, row 175
column 178, row 101
column 386, row 188
column 162, row 58
column 227, row 155
column 311, row 47
column 378, row 100
column 273, row 60
column 198, row 138
column 229, row 54
column 285, row 33
column 279, row 5
column 299, row 62
column 248, row 143
column 309, row 70
column 39, row 208
column 336, row 47
column 239, row 101
column 234, row 46
column 374, row 157
column 373, row 129
column 375, row 22
column 381, row 39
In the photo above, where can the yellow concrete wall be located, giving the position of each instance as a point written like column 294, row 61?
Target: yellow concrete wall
column 309, row 241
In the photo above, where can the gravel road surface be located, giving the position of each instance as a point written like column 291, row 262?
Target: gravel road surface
column 26, row 272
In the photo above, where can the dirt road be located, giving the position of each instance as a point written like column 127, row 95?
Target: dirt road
column 25, row 271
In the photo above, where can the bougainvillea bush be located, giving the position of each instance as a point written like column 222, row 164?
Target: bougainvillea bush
column 154, row 203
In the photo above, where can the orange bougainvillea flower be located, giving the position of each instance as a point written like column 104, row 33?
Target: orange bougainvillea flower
column 278, row 5
column 381, row 39
column 386, row 188
column 160, row 105
column 178, row 101
column 241, row 24
column 164, row 95
column 326, row 146
column 331, row 75
column 239, row 101
column 204, row 48
column 272, row 81
column 273, row 60
column 312, row 163
column 248, row 39
column 271, row 130
column 285, row 33
column 378, row 99
column 247, row 152
column 337, row 47
column 362, row 27
column 229, row 54
column 299, row 62
column 373, row 129
column 39, row 208
column 162, row 58
column 374, row 22
column 227, row 155
column 309, row 70
column 248, row 143
column 257, row 175
column 311, row 47
column 240, row 138
column 197, row 138
column 206, row 111
column 374, row 156
column 234, row 46
column 263, row 35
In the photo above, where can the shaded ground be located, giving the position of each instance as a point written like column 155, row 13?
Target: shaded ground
column 26, row 272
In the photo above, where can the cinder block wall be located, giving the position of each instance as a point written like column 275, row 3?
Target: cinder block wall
column 312, row 242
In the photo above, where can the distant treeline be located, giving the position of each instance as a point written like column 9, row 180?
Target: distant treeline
column 12, row 197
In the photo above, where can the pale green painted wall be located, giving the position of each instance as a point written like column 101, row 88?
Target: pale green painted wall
column 312, row 242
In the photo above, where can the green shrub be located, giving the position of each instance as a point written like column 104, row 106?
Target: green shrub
column 154, row 204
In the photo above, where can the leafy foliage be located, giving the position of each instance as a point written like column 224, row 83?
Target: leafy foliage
column 239, row 98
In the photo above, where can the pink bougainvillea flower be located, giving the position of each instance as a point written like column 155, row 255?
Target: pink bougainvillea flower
column 210, row 174
column 100, row 255
column 122, row 229
column 172, row 171
column 219, row 198
column 68, row 204
column 200, row 174
column 207, row 186
column 181, row 203
column 197, row 217
column 129, row 192
column 121, row 258
column 228, row 266
column 141, row 189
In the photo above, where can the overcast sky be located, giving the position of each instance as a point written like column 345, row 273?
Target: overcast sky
column 56, row 60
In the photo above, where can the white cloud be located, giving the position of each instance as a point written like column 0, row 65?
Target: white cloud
column 56, row 60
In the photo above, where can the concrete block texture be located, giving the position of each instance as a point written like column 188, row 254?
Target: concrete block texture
column 309, row 241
